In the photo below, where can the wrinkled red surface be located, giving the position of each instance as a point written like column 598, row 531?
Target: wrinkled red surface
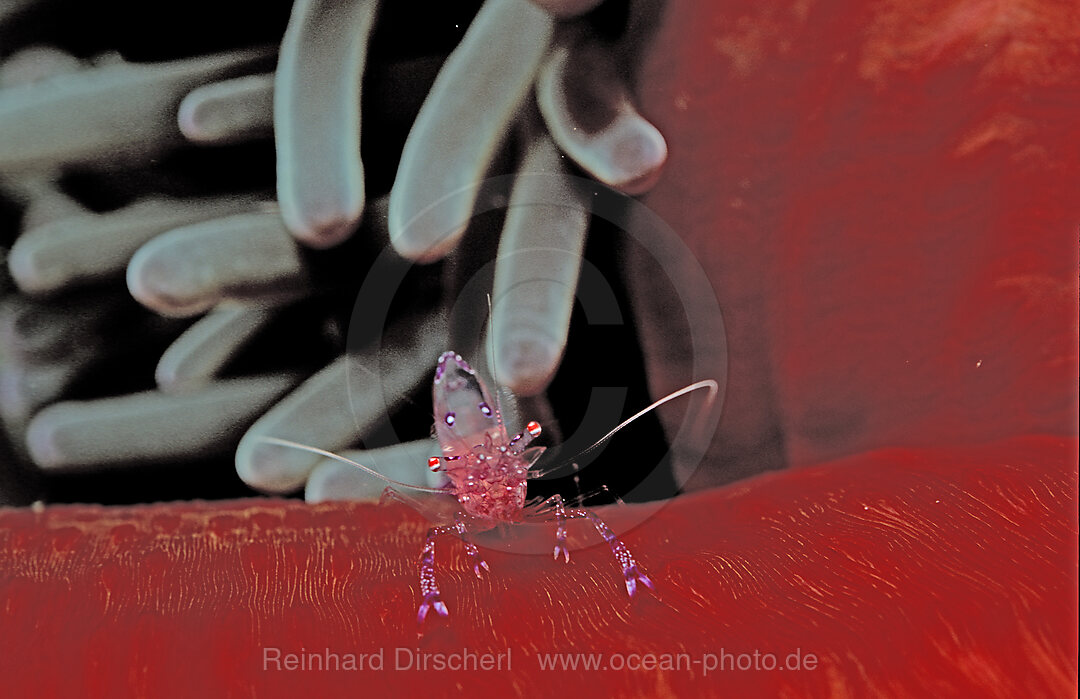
column 884, row 196
column 904, row 572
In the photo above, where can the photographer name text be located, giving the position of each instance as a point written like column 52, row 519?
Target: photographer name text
column 398, row 659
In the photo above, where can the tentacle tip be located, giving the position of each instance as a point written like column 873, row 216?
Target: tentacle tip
column 192, row 120
column 42, row 441
column 638, row 156
column 27, row 272
column 419, row 238
column 527, row 360
column 270, row 467
column 159, row 286
column 640, row 185
column 326, row 231
column 421, row 253
column 566, row 9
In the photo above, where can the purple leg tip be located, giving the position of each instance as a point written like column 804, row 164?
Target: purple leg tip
column 633, row 577
column 431, row 601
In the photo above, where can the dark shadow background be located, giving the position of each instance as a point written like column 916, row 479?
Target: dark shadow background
column 596, row 355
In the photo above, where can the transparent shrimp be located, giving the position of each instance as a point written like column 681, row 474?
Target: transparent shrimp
column 488, row 470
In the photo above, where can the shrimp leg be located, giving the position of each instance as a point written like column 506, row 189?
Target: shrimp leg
column 632, row 574
column 429, row 590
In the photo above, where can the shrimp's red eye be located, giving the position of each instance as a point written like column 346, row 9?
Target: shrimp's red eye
column 450, row 419
column 485, row 409
column 533, row 428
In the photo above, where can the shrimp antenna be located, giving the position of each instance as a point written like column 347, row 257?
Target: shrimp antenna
column 342, row 459
column 697, row 386
column 491, row 361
